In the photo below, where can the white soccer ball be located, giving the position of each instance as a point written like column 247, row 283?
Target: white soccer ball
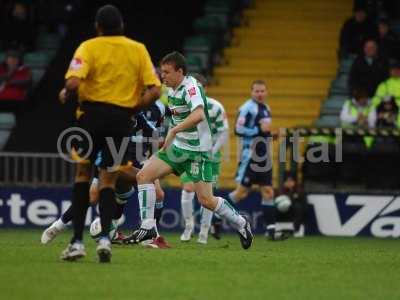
column 283, row 203
column 95, row 229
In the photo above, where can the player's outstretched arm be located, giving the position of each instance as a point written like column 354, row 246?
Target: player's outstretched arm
column 195, row 117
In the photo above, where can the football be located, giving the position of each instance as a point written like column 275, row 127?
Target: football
column 95, row 229
column 283, row 203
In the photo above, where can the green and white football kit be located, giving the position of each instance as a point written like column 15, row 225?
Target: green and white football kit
column 190, row 152
column 219, row 130
column 218, row 124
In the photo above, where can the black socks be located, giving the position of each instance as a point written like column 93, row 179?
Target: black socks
column 107, row 208
column 80, row 204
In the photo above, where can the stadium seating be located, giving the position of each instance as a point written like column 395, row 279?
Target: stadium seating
column 38, row 61
column 200, row 47
column 221, row 9
column 340, row 86
column 47, row 45
column 345, row 65
column 333, row 105
column 212, row 33
column 291, row 45
column 7, row 123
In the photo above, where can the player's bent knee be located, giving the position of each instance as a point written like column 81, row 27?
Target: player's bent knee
column 207, row 202
column 143, row 177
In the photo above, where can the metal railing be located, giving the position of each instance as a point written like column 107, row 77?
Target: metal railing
column 342, row 146
column 34, row 170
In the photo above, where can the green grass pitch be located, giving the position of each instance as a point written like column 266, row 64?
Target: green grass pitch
column 308, row 268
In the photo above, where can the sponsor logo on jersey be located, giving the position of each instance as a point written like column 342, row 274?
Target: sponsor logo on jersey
column 192, row 92
column 76, row 64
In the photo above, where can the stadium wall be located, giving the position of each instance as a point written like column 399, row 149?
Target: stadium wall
column 328, row 214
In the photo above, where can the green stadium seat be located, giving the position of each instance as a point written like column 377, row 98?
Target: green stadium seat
column 339, row 86
column 199, row 46
column 37, row 59
column 37, row 74
column 4, row 135
column 333, row 105
column 345, row 66
column 209, row 24
column 328, row 121
column 7, row 121
column 219, row 9
column 194, row 63
column 50, row 53
column 48, row 41
column 213, row 28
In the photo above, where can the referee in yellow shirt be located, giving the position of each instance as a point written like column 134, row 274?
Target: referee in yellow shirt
column 107, row 74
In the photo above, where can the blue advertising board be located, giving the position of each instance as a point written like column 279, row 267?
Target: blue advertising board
column 355, row 214
column 33, row 207
column 328, row 214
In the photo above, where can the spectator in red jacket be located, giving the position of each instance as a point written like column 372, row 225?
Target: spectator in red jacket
column 15, row 78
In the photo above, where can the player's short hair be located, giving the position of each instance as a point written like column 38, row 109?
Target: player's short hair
column 109, row 20
column 200, row 78
column 258, row 82
column 176, row 59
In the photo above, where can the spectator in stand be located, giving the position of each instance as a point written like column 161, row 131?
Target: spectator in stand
column 354, row 31
column 58, row 15
column 15, row 79
column 387, row 40
column 19, row 29
column 388, row 113
column 368, row 69
column 358, row 112
column 389, row 87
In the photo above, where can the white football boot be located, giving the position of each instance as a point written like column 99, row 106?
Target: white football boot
column 52, row 231
column 187, row 233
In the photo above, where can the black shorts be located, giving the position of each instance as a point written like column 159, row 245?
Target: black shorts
column 135, row 155
column 109, row 129
column 253, row 172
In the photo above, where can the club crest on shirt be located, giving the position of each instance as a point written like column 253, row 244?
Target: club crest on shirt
column 76, row 64
column 192, row 92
